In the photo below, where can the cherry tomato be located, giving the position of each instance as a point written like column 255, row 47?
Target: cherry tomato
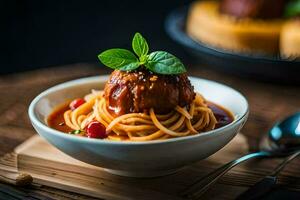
column 76, row 103
column 96, row 130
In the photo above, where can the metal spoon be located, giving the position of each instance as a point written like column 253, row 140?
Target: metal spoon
column 282, row 140
column 285, row 136
column 266, row 184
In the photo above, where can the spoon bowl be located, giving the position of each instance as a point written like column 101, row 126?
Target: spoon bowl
column 285, row 135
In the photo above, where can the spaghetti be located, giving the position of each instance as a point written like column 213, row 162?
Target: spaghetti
column 182, row 121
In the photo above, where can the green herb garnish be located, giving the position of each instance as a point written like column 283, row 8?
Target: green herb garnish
column 75, row 132
column 292, row 9
column 160, row 62
column 140, row 45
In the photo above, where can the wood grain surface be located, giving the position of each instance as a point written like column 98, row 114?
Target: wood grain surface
column 48, row 166
column 268, row 103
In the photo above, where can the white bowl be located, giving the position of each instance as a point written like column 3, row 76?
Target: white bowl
column 138, row 159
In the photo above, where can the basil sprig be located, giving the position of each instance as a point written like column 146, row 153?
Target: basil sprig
column 75, row 132
column 292, row 9
column 160, row 62
column 140, row 45
column 121, row 59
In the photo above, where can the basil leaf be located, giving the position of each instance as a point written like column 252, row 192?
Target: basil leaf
column 121, row 59
column 162, row 62
column 292, row 9
column 76, row 132
column 140, row 45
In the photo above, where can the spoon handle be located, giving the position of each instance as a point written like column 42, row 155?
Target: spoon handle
column 200, row 186
column 286, row 161
column 267, row 183
column 259, row 189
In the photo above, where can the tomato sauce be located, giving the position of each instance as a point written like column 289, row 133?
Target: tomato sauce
column 56, row 119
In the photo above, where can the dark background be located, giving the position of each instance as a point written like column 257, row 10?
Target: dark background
column 41, row 33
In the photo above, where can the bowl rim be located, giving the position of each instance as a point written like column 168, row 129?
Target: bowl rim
column 35, row 121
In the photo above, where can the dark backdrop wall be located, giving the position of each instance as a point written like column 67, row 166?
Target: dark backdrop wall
column 40, row 33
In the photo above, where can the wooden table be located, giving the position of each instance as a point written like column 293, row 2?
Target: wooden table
column 268, row 103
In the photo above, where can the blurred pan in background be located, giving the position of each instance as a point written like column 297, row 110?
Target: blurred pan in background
column 257, row 66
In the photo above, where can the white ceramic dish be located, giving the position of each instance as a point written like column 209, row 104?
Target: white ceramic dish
column 138, row 159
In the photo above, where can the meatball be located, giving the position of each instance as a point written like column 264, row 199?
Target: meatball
column 140, row 90
column 263, row 9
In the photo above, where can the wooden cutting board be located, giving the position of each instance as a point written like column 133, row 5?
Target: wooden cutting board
column 48, row 166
